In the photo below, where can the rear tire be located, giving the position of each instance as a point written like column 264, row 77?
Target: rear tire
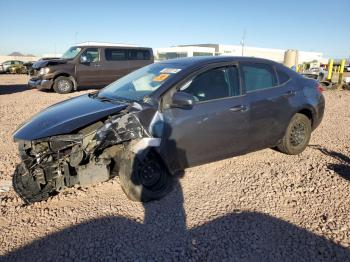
column 297, row 136
column 63, row 85
column 144, row 179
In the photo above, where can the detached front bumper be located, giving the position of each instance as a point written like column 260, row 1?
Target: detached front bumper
column 40, row 83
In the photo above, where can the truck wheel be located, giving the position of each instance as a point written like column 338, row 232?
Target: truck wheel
column 144, row 179
column 297, row 136
column 63, row 85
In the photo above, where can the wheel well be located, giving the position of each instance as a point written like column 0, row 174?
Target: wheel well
column 70, row 77
column 153, row 151
column 308, row 114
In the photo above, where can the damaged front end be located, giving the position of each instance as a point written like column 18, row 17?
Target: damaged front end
column 88, row 156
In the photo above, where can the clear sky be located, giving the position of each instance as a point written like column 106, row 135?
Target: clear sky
column 40, row 27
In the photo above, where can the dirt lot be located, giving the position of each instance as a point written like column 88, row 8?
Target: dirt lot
column 264, row 206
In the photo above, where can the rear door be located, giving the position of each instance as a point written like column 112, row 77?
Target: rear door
column 90, row 73
column 139, row 58
column 270, row 103
column 215, row 127
column 115, row 63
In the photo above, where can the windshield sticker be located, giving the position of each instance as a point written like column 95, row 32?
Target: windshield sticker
column 161, row 77
column 170, row 70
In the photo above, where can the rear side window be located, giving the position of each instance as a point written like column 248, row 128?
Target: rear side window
column 258, row 76
column 139, row 55
column 282, row 77
column 115, row 54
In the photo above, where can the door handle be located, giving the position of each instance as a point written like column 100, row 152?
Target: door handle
column 289, row 93
column 240, row 108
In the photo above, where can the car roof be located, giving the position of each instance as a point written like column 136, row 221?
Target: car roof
column 189, row 64
column 93, row 43
column 202, row 60
column 115, row 46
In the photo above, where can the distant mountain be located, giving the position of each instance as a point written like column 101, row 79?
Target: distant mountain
column 30, row 55
column 16, row 54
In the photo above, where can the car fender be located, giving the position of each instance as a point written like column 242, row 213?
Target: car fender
column 307, row 110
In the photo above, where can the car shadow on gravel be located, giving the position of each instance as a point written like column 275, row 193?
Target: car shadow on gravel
column 11, row 89
column 163, row 235
column 342, row 168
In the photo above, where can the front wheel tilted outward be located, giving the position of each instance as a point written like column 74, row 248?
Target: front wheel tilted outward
column 297, row 135
column 144, row 178
column 63, row 85
column 27, row 188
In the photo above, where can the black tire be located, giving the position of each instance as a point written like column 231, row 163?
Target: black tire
column 63, row 85
column 27, row 189
column 297, row 136
column 144, row 179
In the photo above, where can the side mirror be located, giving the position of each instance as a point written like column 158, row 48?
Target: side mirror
column 182, row 100
column 84, row 59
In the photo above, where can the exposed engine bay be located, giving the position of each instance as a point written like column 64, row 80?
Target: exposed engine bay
column 88, row 156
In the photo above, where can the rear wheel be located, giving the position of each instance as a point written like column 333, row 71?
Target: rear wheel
column 144, row 179
column 297, row 136
column 63, row 85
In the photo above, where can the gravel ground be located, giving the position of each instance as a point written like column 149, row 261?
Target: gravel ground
column 264, row 206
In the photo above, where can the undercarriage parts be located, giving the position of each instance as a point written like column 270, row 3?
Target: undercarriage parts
column 93, row 173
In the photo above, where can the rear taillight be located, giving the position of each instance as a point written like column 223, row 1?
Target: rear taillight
column 320, row 88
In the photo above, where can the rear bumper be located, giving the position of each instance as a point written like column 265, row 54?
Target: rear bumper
column 319, row 112
column 40, row 83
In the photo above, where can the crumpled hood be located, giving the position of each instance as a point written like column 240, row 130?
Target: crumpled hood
column 43, row 63
column 66, row 116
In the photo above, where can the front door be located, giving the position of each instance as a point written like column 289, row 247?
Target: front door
column 89, row 70
column 216, row 126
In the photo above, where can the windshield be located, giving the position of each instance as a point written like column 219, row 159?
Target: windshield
column 140, row 83
column 71, row 52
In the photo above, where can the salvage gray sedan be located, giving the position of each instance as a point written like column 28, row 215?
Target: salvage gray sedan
column 150, row 125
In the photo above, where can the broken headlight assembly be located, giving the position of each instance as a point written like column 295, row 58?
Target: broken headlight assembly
column 44, row 71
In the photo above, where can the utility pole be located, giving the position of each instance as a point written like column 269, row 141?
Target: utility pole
column 243, row 41
column 75, row 37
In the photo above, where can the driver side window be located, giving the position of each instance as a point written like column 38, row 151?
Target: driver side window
column 214, row 84
column 91, row 54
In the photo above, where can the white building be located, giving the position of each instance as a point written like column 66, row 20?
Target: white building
column 233, row 50
column 182, row 51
